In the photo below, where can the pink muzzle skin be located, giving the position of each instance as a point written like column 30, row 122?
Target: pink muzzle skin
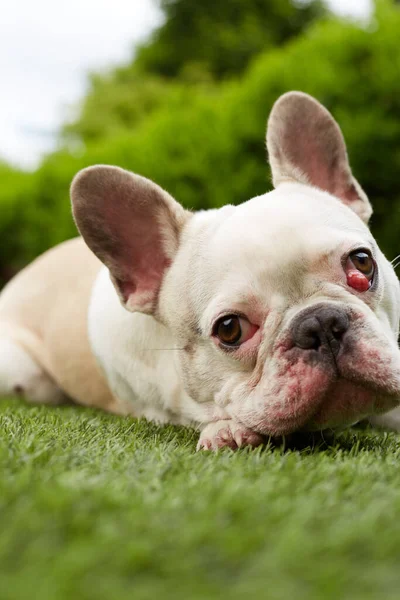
column 314, row 388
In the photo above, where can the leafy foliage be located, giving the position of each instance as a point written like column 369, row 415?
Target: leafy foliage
column 199, row 43
column 220, row 38
column 120, row 101
column 16, row 244
column 205, row 144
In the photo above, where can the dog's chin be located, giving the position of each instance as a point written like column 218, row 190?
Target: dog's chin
column 345, row 403
column 316, row 398
column 340, row 404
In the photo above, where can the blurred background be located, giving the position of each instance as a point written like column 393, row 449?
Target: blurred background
column 179, row 91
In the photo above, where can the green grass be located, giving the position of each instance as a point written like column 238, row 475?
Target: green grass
column 95, row 506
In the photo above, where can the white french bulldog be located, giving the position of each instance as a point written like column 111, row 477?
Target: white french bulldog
column 275, row 316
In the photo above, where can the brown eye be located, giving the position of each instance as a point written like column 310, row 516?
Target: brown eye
column 363, row 262
column 232, row 330
column 228, row 330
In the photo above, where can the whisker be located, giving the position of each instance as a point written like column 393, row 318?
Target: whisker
column 159, row 349
column 395, row 262
column 397, row 258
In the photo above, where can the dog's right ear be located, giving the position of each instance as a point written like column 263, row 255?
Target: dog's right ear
column 133, row 226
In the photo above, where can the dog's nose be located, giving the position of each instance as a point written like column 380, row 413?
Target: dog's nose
column 321, row 328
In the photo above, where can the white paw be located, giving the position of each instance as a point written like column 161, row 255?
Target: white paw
column 227, row 433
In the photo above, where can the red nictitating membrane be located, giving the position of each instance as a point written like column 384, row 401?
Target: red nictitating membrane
column 358, row 281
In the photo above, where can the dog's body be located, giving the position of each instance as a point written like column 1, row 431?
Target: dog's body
column 274, row 316
column 44, row 347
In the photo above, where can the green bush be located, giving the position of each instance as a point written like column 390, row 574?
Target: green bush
column 221, row 37
column 122, row 100
column 198, row 44
column 16, row 245
column 207, row 148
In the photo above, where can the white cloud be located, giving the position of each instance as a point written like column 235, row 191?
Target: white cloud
column 46, row 49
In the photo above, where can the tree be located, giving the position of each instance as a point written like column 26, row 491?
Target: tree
column 220, row 37
column 200, row 42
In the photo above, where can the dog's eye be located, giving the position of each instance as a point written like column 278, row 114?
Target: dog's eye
column 360, row 270
column 363, row 262
column 232, row 330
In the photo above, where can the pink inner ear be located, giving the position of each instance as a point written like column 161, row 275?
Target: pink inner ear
column 132, row 225
column 317, row 149
column 141, row 291
column 139, row 258
column 305, row 144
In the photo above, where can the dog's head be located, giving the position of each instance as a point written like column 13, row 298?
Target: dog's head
column 284, row 309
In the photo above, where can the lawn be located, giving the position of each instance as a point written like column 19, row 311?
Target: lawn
column 96, row 506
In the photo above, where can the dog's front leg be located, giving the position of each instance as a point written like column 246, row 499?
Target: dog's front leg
column 228, row 433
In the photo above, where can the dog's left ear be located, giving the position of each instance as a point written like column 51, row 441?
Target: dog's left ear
column 305, row 144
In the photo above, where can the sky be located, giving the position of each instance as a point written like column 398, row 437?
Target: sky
column 46, row 50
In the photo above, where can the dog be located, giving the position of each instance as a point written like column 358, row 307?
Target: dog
column 272, row 317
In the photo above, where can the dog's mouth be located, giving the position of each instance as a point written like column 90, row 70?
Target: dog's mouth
column 345, row 403
column 338, row 402
column 298, row 392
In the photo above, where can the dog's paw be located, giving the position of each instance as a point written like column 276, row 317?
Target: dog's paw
column 227, row 433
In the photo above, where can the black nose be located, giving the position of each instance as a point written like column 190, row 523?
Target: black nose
column 320, row 328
